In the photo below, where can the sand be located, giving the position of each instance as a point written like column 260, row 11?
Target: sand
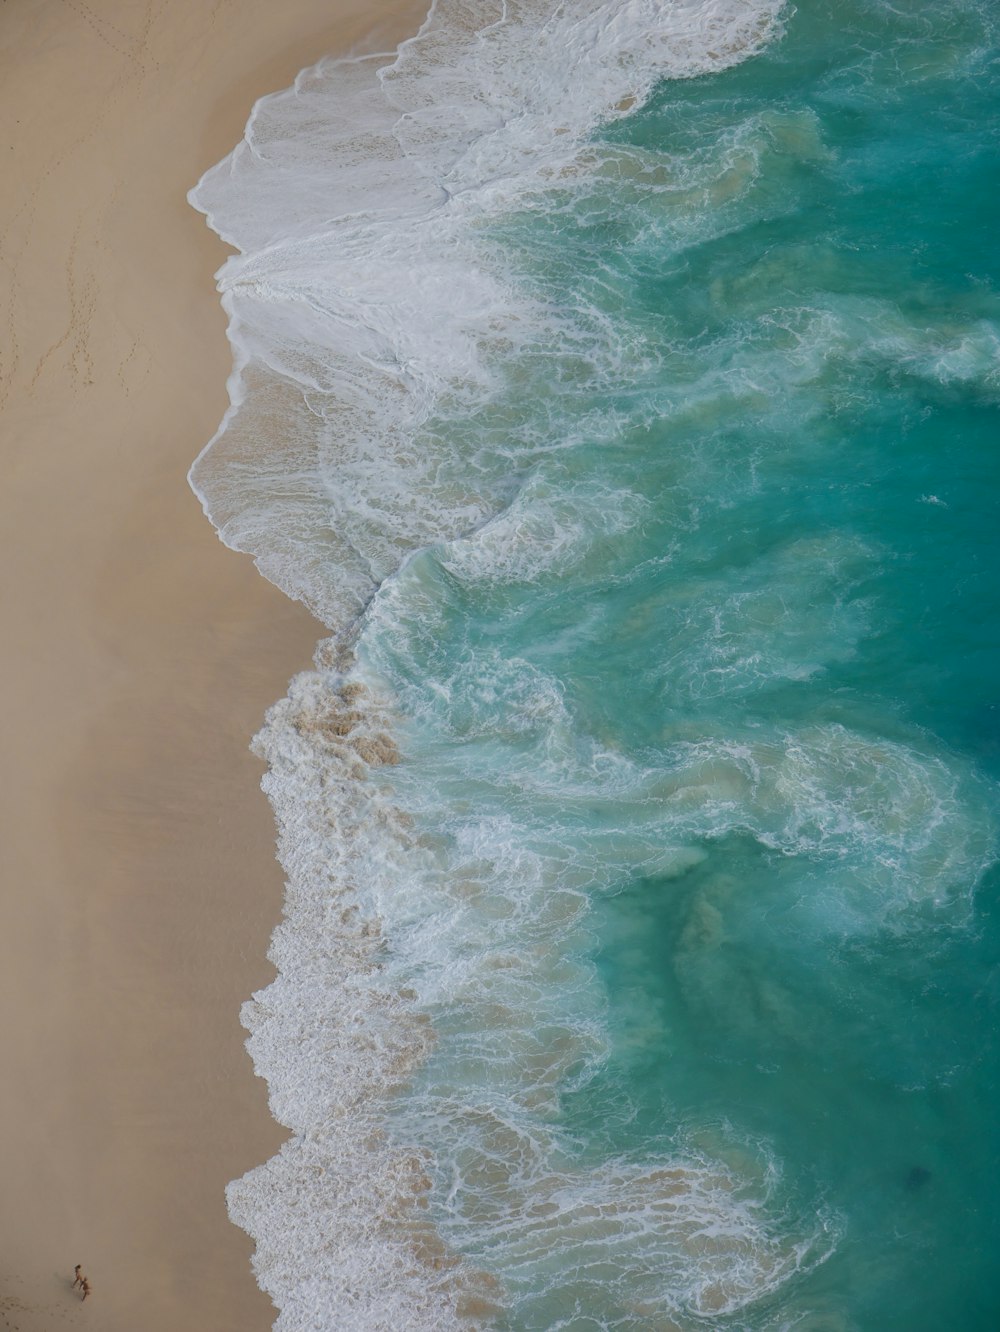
column 139, row 655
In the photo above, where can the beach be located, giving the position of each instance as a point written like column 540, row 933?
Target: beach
column 140, row 656
column 607, row 382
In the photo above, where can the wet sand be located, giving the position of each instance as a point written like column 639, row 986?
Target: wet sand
column 139, row 655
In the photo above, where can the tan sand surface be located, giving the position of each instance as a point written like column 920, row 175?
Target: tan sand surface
column 138, row 655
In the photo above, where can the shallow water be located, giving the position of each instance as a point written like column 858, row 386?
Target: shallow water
column 641, row 400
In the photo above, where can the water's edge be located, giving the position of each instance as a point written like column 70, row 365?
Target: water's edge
column 567, row 387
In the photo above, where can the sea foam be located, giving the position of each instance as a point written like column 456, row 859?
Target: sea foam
column 365, row 291
column 371, row 309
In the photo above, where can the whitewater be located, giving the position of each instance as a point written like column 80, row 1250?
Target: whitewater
column 639, row 817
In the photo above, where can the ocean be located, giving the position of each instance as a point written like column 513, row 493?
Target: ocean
column 618, row 383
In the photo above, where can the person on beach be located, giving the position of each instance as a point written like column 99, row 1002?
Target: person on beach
column 84, row 1288
column 79, row 1279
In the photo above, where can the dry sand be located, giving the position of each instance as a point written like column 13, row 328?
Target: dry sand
column 139, row 655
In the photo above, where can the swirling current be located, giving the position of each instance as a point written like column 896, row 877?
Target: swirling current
column 619, row 382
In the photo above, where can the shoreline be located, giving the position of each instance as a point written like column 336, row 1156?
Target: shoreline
column 138, row 848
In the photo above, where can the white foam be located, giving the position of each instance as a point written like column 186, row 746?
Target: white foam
column 548, row 527
column 337, row 1215
column 897, row 828
column 365, row 291
column 788, row 615
column 368, row 311
column 485, row 929
column 466, row 898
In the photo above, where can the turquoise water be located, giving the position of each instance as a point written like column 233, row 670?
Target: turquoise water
column 619, row 383
column 720, row 684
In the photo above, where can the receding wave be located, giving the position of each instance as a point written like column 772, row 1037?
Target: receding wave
column 422, row 406
column 365, row 292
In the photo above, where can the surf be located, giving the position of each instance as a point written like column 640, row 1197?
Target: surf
column 542, row 394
